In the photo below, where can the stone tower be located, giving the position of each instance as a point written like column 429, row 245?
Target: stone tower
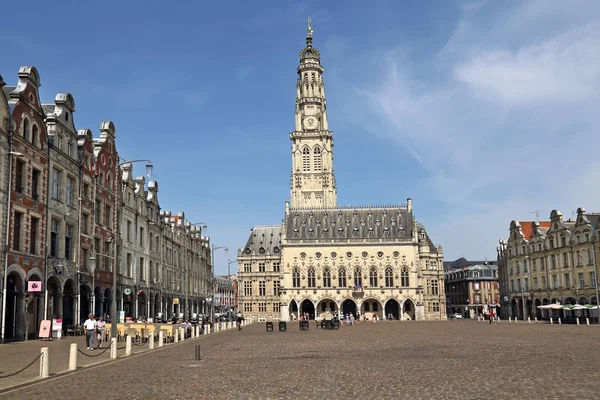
column 312, row 183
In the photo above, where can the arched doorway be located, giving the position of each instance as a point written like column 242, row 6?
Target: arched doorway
column 327, row 305
column 107, row 303
column 14, row 322
column 408, row 310
column 538, row 312
column 392, row 307
column 142, row 305
column 97, row 301
column 54, row 298
column 348, row 307
column 307, row 306
column 35, row 308
column 84, row 303
column 68, row 311
column 370, row 307
column 293, row 309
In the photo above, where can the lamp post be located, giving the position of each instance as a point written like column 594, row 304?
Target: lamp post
column 5, row 277
column 113, row 311
column 212, row 280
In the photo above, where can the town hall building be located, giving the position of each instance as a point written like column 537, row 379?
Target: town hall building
column 362, row 260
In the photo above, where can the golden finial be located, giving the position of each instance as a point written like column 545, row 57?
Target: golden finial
column 310, row 29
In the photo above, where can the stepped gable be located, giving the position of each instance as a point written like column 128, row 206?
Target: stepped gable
column 264, row 239
column 382, row 222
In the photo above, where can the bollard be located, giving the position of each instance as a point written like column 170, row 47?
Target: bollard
column 560, row 321
column 151, row 341
column 197, row 330
column 113, row 348
column 44, row 363
column 577, row 321
column 536, row 320
column 193, row 333
column 528, row 320
column 128, row 346
column 509, row 319
column 182, row 333
column 175, row 336
column 551, row 321
column 161, row 338
column 197, row 352
column 587, row 321
column 73, row 357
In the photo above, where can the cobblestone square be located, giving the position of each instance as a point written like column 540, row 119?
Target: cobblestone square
column 417, row 360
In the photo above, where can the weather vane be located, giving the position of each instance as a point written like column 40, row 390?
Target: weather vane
column 310, row 29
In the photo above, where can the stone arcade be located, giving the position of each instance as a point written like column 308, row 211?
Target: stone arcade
column 362, row 259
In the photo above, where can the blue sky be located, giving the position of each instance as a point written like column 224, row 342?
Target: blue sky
column 480, row 111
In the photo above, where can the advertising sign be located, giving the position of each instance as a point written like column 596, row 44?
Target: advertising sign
column 45, row 329
column 57, row 328
column 34, row 286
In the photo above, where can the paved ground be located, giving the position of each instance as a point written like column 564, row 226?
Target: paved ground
column 417, row 360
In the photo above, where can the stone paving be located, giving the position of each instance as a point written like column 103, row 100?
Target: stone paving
column 417, row 360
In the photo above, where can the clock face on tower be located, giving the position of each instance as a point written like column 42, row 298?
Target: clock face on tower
column 310, row 122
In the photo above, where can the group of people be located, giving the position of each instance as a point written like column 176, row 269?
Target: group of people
column 94, row 331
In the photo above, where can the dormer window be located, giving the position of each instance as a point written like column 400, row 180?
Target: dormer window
column 67, row 116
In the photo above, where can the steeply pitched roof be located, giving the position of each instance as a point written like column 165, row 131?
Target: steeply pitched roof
column 349, row 223
column 463, row 262
column 264, row 239
column 527, row 229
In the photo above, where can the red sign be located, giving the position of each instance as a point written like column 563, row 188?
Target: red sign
column 34, row 286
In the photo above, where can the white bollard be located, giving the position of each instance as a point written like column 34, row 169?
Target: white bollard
column 73, row 357
column 113, row 348
column 551, row 321
column 193, row 332
column 128, row 345
column 509, row 319
column 577, row 321
column 151, row 341
column 536, row 320
column 182, row 333
column 44, row 363
column 176, row 335
column 587, row 321
column 161, row 338
column 560, row 321
column 197, row 330
column 528, row 320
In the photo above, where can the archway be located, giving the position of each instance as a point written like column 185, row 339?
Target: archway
column 392, row 307
column 107, row 303
column 348, row 307
column 84, row 303
column 97, row 301
column 68, row 310
column 142, row 305
column 538, row 311
column 327, row 305
column 583, row 300
column 408, row 310
column 308, row 307
column 35, row 309
column 570, row 300
column 370, row 307
column 14, row 322
column 54, row 298
column 293, row 310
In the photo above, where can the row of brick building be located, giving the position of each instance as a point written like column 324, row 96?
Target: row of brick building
column 71, row 210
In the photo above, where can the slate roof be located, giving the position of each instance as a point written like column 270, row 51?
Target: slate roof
column 264, row 239
column 463, row 262
column 7, row 90
column 349, row 223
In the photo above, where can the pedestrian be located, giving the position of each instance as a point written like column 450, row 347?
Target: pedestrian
column 374, row 318
column 390, row 317
column 100, row 328
column 89, row 328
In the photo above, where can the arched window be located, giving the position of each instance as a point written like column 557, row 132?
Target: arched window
column 305, row 159
column 295, row 278
column 389, row 277
column 108, row 181
column 34, row 135
column 342, row 278
column 404, row 281
column 311, row 278
column 317, row 158
column 357, row 277
column 373, row 277
column 26, row 129
column 326, row 278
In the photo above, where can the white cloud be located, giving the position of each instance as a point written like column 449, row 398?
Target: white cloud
column 510, row 124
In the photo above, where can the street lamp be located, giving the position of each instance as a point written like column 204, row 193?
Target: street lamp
column 5, row 277
column 212, row 281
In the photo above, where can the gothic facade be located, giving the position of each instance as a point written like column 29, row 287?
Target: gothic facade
column 362, row 260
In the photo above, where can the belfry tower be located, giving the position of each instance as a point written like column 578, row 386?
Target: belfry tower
column 312, row 183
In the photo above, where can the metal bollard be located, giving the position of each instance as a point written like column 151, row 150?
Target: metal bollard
column 73, row 357
column 44, row 363
column 113, row 348
column 151, row 341
column 197, row 352
column 128, row 346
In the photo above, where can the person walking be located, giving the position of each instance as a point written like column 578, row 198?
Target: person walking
column 100, row 329
column 89, row 328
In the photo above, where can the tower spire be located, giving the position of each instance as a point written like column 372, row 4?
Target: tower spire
column 309, row 34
